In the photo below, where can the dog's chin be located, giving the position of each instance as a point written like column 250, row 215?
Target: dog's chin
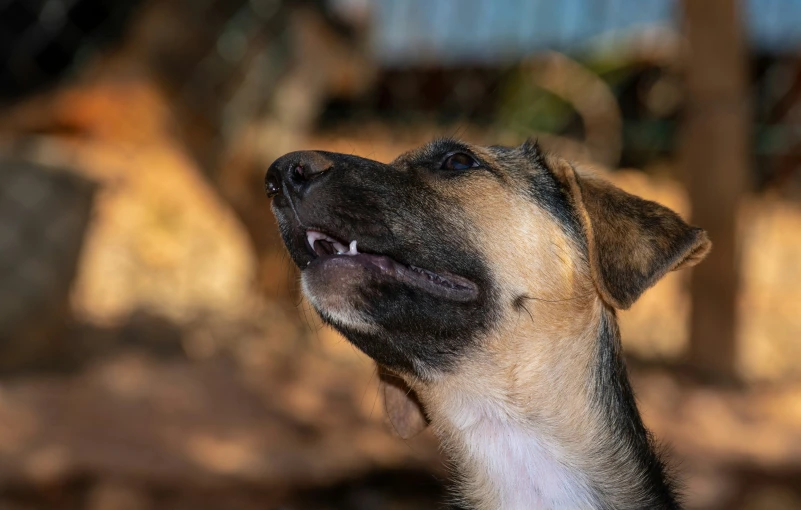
column 338, row 298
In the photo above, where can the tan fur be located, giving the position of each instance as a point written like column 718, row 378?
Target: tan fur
column 535, row 369
column 536, row 366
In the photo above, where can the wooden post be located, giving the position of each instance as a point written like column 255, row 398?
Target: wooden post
column 715, row 154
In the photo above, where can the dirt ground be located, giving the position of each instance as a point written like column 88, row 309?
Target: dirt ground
column 137, row 420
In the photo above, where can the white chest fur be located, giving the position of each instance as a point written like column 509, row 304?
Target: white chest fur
column 508, row 465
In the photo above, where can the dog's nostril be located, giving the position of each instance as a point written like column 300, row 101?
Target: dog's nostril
column 272, row 185
column 298, row 173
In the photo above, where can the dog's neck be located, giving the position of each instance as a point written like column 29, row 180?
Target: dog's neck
column 538, row 428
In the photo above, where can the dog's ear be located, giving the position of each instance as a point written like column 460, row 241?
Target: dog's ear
column 631, row 242
column 404, row 411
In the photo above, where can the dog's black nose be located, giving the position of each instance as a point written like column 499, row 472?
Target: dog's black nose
column 295, row 172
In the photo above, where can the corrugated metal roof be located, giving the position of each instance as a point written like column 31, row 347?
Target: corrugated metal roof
column 449, row 32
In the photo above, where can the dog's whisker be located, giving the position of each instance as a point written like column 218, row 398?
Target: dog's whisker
column 375, row 399
column 559, row 251
column 524, row 297
column 367, row 387
column 522, row 305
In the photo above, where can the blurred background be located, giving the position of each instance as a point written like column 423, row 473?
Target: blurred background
column 154, row 349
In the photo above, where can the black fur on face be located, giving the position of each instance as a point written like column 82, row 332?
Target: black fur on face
column 407, row 230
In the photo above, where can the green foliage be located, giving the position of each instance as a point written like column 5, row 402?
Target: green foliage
column 525, row 108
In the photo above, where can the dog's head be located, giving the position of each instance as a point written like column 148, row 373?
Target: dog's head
column 418, row 261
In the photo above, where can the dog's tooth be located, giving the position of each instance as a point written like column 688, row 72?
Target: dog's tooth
column 352, row 248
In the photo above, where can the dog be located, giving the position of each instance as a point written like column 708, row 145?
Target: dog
column 486, row 279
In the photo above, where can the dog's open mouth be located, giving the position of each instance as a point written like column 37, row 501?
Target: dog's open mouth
column 333, row 252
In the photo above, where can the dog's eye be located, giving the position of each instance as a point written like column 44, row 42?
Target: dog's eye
column 459, row 161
